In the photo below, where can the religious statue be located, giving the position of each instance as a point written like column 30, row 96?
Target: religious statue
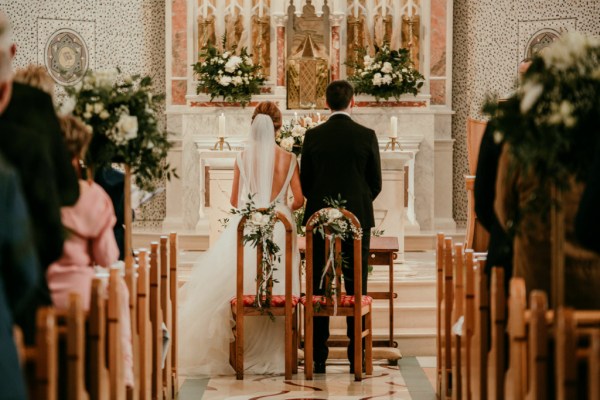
column 382, row 31
column 206, row 32
column 410, row 37
column 308, row 76
column 359, row 40
column 261, row 44
column 234, row 31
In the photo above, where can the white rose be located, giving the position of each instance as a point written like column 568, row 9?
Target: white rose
column 98, row 107
column 532, row 92
column 127, row 126
column 237, row 80
column 226, row 54
column 334, row 214
column 89, row 108
column 367, row 61
column 387, row 79
column 87, row 115
column 387, row 68
column 225, row 80
column 298, row 131
column 258, row 219
column 287, row 143
column 104, row 114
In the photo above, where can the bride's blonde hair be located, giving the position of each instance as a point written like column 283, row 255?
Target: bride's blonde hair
column 269, row 108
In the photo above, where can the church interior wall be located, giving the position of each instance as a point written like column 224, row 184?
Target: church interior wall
column 127, row 34
column 490, row 39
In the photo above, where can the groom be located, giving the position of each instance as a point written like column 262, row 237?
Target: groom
column 340, row 157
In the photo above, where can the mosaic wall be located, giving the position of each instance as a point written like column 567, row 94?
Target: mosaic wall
column 490, row 38
column 129, row 34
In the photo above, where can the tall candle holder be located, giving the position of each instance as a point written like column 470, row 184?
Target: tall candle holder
column 221, row 143
column 392, row 144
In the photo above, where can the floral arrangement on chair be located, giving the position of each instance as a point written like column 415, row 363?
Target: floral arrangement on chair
column 228, row 75
column 291, row 136
column 332, row 224
column 122, row 112
column 390, row 73
column 258, row 231
column 551, row 122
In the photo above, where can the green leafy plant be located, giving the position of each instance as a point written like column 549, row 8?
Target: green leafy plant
column 551, row 123
column 122, row 113
column 231, row 76
column 389, row 73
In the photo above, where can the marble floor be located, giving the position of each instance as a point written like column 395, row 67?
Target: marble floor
column 413, row 378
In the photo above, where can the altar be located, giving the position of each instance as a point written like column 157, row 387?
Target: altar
column 283, row 36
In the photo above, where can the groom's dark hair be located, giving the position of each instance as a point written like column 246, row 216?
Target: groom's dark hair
column 339, row 95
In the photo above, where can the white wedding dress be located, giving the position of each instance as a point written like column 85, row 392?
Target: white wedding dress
column 205, row 318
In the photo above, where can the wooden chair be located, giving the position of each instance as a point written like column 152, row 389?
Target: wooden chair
column 457, row 313
column 537, row 344
column 439, row 301
column 516, row 375
column 173, row 292
column 347, row 306
column 165, row 306
column 71, row 329
column 144, row 328
column 41, row 360
column 243, row 305
column 131, row 283
column 96, row 340
column 498, row 327
column 468, row 324
column 156, row 320
column 115, row 352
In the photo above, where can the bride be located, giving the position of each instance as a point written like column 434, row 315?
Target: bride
column 205, row 320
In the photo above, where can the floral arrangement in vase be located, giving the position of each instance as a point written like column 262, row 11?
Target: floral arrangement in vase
column 389, row 73
column 234, row 77
column 122, row 113
column 551, row 121
column 291, row 135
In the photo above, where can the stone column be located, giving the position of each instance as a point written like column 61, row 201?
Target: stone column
column 280, row 21
column 336, row 21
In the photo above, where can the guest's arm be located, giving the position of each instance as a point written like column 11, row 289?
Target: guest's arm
column 235, row 186
column 296, row 187
column 307, row 172
column 374, row 168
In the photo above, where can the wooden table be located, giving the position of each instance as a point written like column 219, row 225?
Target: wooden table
column 383, row 251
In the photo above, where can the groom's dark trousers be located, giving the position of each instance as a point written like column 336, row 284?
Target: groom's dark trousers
column 340, row 157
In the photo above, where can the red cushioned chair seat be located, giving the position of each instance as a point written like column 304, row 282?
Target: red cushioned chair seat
column 346, row 300
column 276, row 300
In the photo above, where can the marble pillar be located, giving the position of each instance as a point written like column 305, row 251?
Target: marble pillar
column 280, row 21
column 336, row 21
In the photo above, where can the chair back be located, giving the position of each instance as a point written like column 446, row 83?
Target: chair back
column 498, row 327
column 156, row 320
column 144, row 327
column 173, row 292
column 475, row 131
column 165, row 305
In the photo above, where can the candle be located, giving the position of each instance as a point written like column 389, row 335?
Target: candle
column 204, row 9
column 394, row 126
column 318, row 117
column 410, row 8
column 383, row 8
column 222, row 125
column 260, row 8
column 295, row 117
column 355, row 8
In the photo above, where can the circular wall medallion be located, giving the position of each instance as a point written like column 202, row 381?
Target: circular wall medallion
column 66, row 57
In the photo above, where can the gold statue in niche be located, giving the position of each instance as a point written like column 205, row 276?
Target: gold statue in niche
column 308, row 76
column 234, row 31
column 206, row 32
column 382, row 31
column 359, row 40
column 261, row 44
column 410, row 37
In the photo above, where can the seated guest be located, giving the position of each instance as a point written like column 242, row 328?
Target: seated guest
column 31, row 141
column 36, row 76
column 90, row 240
column 113, row 183
column 587, row 221
column 18, row 276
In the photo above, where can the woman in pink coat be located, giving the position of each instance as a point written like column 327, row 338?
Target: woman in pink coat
column 90, row 241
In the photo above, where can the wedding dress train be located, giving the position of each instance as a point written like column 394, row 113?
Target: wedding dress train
column 205, row 318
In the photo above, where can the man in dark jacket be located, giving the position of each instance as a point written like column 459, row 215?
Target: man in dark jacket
column 31, row 140
column 340, row 157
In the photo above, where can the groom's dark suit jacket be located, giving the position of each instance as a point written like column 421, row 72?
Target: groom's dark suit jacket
column 341, row 157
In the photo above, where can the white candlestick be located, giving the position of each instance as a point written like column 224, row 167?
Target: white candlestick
column 260, row 8
column 355, row 8
column 383, row 8
column 295, row 117
column 222, row 125
column 204, row 9
column 410, row 8
column 394, row 126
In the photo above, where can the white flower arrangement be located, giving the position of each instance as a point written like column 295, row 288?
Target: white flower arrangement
column 291, row 135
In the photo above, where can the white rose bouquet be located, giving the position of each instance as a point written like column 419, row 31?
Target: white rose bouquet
column 121, row 110
column 389, row 73
column 291, row 135
column 234, row 77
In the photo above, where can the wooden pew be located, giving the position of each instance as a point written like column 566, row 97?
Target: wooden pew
column 479, row 340
column 468, row 324
column 457, row 313
column 96, row 341
column 173, row 292
column 131, row 283
column 115, row 352
column 516, row 375
column 165, row 305
column 446, row 318
column 144, row 328
column 75, row 349
column 439, row 301
column 498, row 327
column 594, row 365
column 156, row 320
column 536, row 369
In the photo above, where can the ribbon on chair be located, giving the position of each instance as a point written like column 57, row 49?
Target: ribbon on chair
column 267, row 272
column 330, row 264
